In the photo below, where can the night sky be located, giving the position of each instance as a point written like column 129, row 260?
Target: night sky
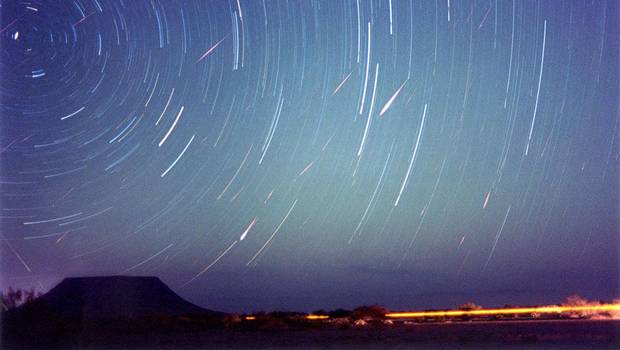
column 314, row 154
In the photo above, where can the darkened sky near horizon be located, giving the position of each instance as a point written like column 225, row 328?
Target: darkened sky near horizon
column 314, row 154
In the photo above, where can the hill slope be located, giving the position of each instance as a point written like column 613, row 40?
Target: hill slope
column 116, row 296
column 85, row 307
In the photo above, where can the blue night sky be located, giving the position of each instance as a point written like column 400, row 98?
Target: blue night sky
column 314, row 154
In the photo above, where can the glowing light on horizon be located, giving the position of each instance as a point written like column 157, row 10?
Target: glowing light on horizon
column 317, row 317
column 508, row 311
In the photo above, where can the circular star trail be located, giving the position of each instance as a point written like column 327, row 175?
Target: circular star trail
column 313, row 154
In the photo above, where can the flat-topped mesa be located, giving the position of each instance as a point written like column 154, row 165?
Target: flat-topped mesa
column 115, row 296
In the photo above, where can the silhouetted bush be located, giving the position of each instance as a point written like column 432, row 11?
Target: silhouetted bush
column 372, row 312
column 14, row 298
column 339, row 313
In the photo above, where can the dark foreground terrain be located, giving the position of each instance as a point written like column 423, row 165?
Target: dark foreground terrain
column 120, row 312
column 567, row 334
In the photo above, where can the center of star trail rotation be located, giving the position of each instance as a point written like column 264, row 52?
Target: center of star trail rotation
column 313, row 154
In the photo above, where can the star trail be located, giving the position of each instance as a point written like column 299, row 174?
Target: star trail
column 313, row 154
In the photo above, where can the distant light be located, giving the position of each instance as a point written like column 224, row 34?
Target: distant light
column 250, row 318
column 510, row 311
column 317, row 317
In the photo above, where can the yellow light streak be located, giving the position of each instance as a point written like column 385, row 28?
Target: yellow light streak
column 507, row 311
column 250, row 318
column 317, row 317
